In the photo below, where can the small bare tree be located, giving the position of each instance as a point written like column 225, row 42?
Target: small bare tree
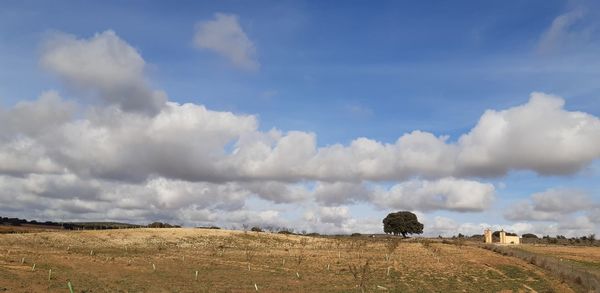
column 361, row 275
column 249, row 252
column 391, row 246
column 300, row 256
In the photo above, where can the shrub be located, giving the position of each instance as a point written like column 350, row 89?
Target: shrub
column 159, row 225
column 356, row 235
column 256, row 229
column 533, row 260
column 208, row 227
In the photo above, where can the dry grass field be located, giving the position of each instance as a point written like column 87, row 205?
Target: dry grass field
column 577, row 253
column 166, row 260
column 25, row 229
column 587, row 257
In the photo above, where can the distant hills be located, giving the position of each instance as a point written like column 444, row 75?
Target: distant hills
column 5, row 221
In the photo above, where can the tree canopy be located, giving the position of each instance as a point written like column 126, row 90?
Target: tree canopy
column 402, row 222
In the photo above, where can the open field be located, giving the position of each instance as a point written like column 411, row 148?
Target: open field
column 586, row 257
column 577, row 253
column 166, row 260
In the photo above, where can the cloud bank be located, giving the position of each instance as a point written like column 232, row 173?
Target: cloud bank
column 134, row 155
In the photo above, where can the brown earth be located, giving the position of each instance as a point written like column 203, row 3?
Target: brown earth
column 166, row 260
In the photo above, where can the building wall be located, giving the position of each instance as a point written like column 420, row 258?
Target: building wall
column 512, row 240
column 488, row 235
column 504, row 239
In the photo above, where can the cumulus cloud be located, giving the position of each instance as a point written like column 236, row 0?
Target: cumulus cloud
column 339, row 193
column 557, row 211
column 330, row 220
column 278, row 192
column 561, row 200
column 524, row 211
column 540, row 136
column 105, row 65
column 550, row 205
column 159, row 198
column 181, row 142
column 445, row 194
column 190, row 142
column 44, row 114
column 224, row 35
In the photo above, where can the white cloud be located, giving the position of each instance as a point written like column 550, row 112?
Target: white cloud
column 562, row 211
column 44, row 114
column 540, row 136
column 105, row 65
column 190, row 142
column 524, row 211
column 444, row 194
column 334, row 220
column 278, row 192
column 561, row 200
column 255, row 218
column 225, row 36
column 182, row 141
column 339, row 193
column 43, row 195
column 550, row 205
column 334, row 215
column 22, row 156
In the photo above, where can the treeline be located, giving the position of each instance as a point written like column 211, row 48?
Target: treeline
column 534, row 239
column 19, row 222
column 99, row 226
column 162, row 225
column 82, row 225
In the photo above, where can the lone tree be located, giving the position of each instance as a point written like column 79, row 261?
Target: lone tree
column 403, row 222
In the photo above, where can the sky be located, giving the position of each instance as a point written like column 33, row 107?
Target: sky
column 320, row 116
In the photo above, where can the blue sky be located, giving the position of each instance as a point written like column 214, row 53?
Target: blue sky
column 342, row 70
